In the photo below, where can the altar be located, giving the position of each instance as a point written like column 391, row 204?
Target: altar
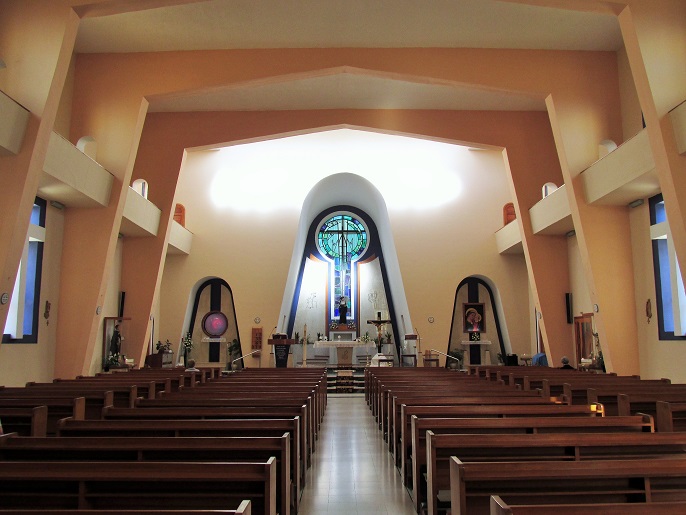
column 475, row 350
column 345, row 349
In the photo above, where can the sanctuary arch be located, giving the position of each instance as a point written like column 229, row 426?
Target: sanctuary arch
column 478, row 294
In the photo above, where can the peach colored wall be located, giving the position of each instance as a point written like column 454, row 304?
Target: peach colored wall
column 39, row 54
column 658, row 358
column 655, row 38
column 105, row 103
column 20, row 363
column 173, row 131
column 631, row 108
column 226, row 242
column 581, row 300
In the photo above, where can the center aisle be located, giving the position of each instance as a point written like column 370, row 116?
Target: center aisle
column 352, row 471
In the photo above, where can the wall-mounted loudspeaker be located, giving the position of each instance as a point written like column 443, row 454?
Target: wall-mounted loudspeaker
column 122, row 297
column 570, row 309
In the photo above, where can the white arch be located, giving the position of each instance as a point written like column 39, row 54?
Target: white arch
column 499, row 310
column 353, row 190
column 548, row 188
column 605, row 147
column 88, row 146
column 140, row 186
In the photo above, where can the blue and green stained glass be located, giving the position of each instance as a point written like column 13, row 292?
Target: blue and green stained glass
column 342, row 240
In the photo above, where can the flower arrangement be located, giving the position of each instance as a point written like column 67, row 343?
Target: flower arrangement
column 113, row 360
column 187, row 343
column 163, row 347
column 365, row 337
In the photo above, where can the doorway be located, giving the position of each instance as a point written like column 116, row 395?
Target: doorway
column 583, row 337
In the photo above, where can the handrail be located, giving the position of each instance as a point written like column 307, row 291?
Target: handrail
column 444, row 354
column 238, row 359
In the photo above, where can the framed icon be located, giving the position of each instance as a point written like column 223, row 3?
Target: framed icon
column 473, row 317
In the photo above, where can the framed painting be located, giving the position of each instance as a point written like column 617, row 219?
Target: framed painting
column 473, row 317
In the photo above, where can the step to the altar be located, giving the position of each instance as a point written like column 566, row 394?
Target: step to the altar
column 345, row 379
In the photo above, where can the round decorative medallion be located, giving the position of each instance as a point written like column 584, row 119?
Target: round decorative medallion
column 214, row 324
column 257, row 320
column 5, row 298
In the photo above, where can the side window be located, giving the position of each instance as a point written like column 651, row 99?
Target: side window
column 22, row 318
column 669, row 286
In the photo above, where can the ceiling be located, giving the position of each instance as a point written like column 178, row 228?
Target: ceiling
column 232, row 24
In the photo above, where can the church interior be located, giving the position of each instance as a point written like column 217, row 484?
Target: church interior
column 359, row 183
column 491, row 161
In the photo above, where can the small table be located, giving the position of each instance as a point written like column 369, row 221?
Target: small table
column 475, row 350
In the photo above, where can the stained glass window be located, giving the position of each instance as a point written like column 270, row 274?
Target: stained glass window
column 342, row 239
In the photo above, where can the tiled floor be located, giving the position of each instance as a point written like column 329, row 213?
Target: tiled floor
column 352, row 471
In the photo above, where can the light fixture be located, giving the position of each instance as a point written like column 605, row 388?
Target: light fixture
column 571, row 233
column 635, row 203
column 56, row 204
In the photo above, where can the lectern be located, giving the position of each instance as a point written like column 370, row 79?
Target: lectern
column 282, row 345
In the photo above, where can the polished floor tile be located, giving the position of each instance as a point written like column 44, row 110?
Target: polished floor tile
column 352, row 471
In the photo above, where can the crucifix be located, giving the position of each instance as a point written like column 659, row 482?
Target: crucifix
column 342, row 239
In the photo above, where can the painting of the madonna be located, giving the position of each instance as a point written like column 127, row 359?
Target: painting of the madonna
column 474, row 321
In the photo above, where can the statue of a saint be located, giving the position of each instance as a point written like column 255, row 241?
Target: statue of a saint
column 342, row 310
column 115, row 341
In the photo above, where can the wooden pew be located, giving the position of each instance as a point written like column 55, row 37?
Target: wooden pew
column 137, row 485
column 305, row 394
column 209, row 409
column 670, row 416
column 575, row 387
column 544, row 482
column 174, row 378
column 191, row 378
column 549, row 447
column 95, row 400
column 243, row 509
column 57, row 408
column 196, row 428
column 25, row 421
column 389, row 391
column 521, row 425
column 500, row 507
column 457, row 398
column 239, row 449
column 372, row 375
column 626, row 400
column 484, row 411
column 147, row 389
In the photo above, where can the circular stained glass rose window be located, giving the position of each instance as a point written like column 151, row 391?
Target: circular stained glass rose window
column 215, row 324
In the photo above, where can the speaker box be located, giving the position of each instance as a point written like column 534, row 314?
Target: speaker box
column 570, row 309
column 122, row 298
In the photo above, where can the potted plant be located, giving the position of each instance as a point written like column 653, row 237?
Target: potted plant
column 187, row 343
column 458, row 355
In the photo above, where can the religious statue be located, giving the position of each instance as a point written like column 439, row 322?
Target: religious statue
column 115, row 341
column 342, row 311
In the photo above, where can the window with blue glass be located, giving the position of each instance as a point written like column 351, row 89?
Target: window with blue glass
column 669, row 287
column 342, row 239
column 23, row 313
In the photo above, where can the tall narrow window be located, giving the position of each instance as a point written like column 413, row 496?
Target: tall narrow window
column 342, row 239
column 22, row 316
column 669, row 285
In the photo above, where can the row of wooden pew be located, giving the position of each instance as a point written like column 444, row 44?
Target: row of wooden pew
column 162, row 440
column 516, row 439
